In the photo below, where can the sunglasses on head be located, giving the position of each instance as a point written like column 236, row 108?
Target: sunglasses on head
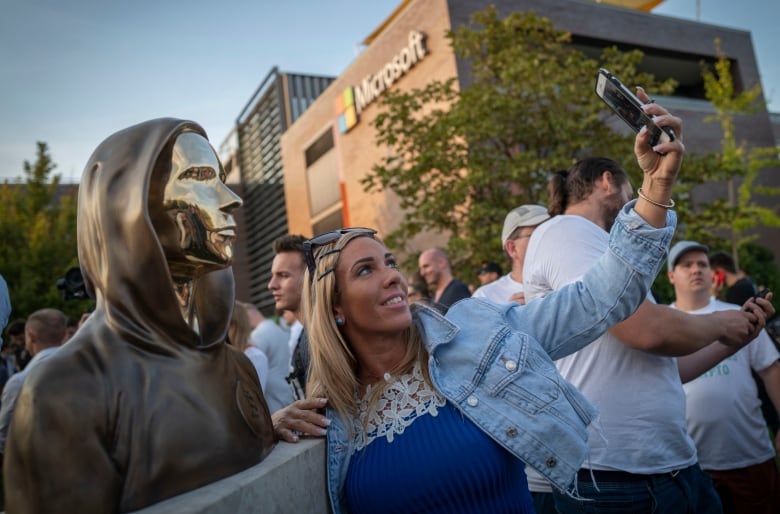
column 323, row 239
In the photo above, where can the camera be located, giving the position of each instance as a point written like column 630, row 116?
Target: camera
column 629, row 108
column 72, row 285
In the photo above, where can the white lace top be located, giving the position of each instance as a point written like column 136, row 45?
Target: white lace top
column 404, row 400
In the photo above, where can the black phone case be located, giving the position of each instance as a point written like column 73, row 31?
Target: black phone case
column 628, row 107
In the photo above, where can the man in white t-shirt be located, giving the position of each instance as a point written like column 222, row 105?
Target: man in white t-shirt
column 519, row 224
column 640, row 446
column 722, row 405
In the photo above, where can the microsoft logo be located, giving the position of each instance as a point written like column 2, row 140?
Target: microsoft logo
column 346, row 110
column 356, row 98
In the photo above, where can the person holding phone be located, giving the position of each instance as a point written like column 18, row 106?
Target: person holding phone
column 723, row 409
column 437, row 413
column 641, row 458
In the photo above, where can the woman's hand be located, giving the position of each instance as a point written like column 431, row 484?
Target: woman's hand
column 660, row 164
column 300, row 418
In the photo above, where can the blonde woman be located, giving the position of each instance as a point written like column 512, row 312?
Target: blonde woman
column 427, row 413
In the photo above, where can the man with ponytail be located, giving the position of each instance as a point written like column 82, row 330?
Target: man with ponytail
column 631, row 372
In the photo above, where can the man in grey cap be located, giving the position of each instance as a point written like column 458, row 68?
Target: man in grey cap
column 681, row 248
column 731, row 440
column 519, row 224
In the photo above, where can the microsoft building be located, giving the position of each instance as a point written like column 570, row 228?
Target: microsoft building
column 331, row 146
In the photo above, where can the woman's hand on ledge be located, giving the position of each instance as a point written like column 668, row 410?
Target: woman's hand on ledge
column 301, row 417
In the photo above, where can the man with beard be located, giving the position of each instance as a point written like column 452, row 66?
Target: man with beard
column 435, row 268
column 642, row 448
column 146, row 401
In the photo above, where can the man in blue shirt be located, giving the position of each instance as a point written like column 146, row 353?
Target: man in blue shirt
column 5, row 313
column 5, row 306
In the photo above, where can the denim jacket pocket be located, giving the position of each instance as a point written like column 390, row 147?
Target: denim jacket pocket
column 520, row 375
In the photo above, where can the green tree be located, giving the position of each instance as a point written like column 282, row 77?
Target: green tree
column 728, row 223
column 38, row 223
column 530, row 110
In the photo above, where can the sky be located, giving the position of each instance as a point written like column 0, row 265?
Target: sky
column 73, row 72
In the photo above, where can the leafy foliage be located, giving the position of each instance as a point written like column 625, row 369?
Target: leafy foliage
column 453, row 154
column 727, row 223
column 38, row 223
column 530, row 111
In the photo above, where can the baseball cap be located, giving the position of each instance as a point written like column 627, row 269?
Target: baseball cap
column 683, row 247
column 488, row 267
column 523, row 216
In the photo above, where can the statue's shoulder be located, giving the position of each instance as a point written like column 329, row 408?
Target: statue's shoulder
column 79, row 363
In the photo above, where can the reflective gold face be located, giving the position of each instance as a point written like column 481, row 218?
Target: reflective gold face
column 200, row 205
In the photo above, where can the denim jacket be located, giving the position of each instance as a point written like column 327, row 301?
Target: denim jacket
column 494, row 362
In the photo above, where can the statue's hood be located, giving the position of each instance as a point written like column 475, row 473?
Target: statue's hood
column 120, row 254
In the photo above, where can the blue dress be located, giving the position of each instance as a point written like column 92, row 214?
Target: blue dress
column 431, row 459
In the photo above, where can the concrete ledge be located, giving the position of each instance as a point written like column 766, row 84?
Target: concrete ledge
column 291, row 479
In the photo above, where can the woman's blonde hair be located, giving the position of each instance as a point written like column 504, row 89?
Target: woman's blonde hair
column 334, row 367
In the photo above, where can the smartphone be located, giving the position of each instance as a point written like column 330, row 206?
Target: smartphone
column 761, row 294
column 629, row 108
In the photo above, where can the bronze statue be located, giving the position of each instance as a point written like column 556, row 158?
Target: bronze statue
column 146, row 401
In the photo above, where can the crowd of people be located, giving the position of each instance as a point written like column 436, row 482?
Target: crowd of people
column 558, row 387
column 408, row 391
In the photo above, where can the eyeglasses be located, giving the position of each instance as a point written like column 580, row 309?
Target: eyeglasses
column 321, row 240
column 520, row 235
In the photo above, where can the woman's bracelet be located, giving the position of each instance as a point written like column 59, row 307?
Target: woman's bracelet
column 669, row 205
